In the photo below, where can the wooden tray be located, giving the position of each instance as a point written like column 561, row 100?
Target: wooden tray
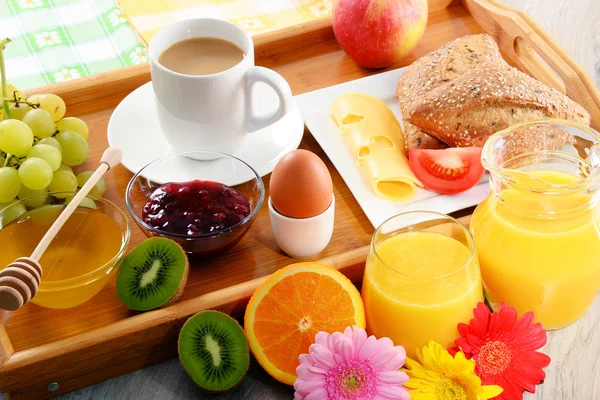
column 102, row 338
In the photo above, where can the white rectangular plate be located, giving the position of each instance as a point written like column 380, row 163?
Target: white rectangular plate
column 316, row 109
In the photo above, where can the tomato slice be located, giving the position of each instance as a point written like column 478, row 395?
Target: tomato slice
column 447, row 171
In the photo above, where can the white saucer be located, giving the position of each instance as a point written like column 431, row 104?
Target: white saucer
column 135, row 130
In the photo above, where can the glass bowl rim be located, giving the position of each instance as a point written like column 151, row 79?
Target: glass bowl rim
column 246, row 220
column 444, row 216
column 65, row 284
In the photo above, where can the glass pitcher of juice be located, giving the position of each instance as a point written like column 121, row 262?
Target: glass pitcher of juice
column 421, row 280
column 538, row 231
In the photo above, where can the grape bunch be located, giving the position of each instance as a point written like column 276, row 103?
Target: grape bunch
column 38, row 148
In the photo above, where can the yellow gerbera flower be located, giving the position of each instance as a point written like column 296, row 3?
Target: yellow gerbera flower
column 439, row 376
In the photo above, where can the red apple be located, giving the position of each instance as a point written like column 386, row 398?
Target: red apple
column 378, row 33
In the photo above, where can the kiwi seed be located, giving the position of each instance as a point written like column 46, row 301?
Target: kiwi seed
column 152, row 275
column 213, row 350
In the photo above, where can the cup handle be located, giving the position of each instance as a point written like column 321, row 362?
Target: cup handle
column 280, row 86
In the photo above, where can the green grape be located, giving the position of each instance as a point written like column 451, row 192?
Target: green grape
column 63, row 181
column 12, row 93
column 99, row 188
column 16, row 137
column 35, row 99
column 35, row 173
column 64, row 167
column 44, row 215
column 52, row 142
column 51, row 103
column 40, row 122
column 33, row 198
column 11, row 211
column 73, row 124
column 18, row 110
column 11, row 90
column 47, row 153
column 86, row 202
column 83, row 177
column 75, row 148
column 54, row 105
column 9, row 184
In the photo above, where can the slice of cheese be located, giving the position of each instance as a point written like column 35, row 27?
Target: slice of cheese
column 374, row 137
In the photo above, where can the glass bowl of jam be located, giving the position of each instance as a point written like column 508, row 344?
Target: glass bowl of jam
column 205, row 201
column 84, row 256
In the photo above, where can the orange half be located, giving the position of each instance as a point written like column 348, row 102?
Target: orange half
column 291, row 307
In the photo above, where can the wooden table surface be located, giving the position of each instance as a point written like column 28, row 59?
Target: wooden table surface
column 575, row 351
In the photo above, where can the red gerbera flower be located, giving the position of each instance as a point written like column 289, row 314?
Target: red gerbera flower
column 504, row 349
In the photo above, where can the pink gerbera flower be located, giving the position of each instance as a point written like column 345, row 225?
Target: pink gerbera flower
column 351, row 366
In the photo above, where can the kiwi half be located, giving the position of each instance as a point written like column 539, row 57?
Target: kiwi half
column 152, row 275
column 213, row 350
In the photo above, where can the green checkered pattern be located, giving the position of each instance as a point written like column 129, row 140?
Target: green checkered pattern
column 58, row 40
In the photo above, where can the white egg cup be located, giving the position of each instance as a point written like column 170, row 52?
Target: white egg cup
column 303, row 237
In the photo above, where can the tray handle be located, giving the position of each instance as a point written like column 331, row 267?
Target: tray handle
column 523, row 39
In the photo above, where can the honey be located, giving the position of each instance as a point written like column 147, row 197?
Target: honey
column 80, row 260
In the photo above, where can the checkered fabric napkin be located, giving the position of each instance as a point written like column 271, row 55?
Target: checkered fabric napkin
column 255, row 16
column 58, row 40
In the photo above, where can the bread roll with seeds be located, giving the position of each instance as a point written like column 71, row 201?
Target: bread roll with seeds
column 414, row 138
column 486, row 99
column 435, row 69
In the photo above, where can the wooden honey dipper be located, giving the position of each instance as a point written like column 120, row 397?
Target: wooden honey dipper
column 20, row 280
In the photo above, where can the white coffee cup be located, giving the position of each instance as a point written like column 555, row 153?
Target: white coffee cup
column 211, row 112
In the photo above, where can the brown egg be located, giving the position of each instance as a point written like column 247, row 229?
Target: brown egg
column 301, row 186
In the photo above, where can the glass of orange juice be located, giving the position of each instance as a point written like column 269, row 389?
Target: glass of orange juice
column 421, row 280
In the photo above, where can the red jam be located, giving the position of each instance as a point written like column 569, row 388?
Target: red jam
column 195, row 208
